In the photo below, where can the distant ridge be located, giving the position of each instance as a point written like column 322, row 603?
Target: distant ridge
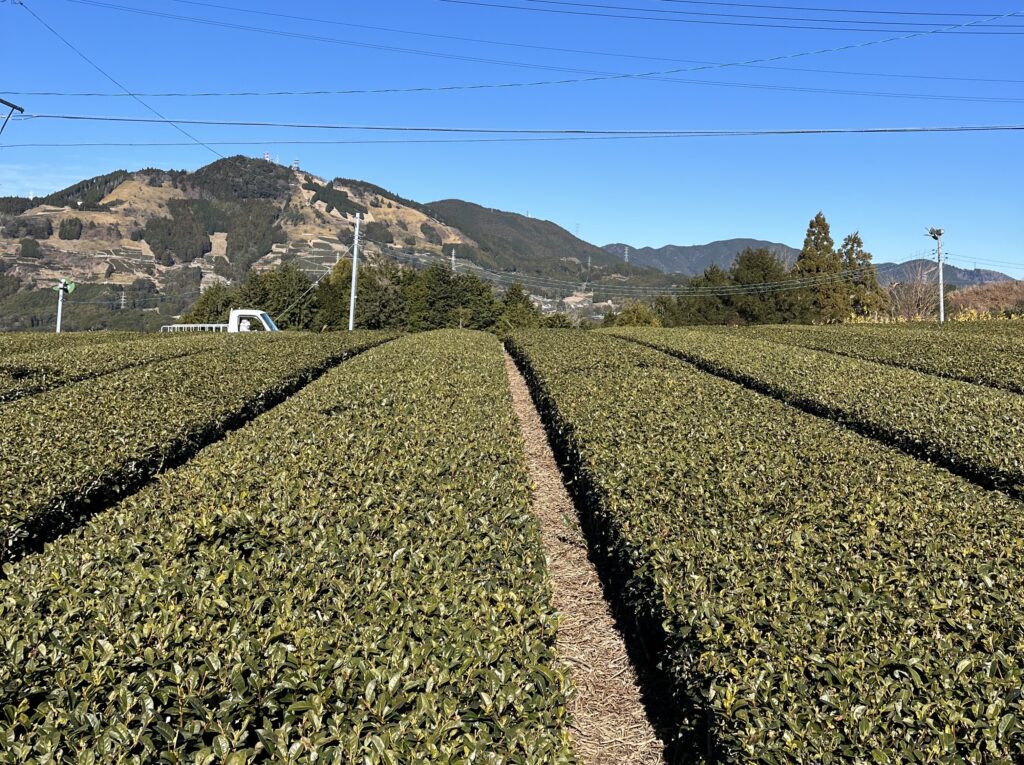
column 691, row 260
column 915, row 270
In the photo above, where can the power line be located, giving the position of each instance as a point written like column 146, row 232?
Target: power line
column 823, row 10
column 531, row 131
column 484, row 41
column 330, row 40
column 819, row 28
column 102, row 71
column 984, row 261
column 605, row 6
column 538, row 83
column 370, row 91
column 624, row 290
column 711, row 83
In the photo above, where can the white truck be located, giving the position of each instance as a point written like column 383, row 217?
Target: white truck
column 240, row 320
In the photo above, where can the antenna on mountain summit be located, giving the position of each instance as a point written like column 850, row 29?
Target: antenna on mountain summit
column 13, row 108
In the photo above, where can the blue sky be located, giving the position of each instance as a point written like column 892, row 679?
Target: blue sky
column 642, row 191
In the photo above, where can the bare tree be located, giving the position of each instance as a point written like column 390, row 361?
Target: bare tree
column 916, row 297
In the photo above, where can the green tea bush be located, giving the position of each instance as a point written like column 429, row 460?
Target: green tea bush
column 23, row 374
column 975, row 431
column 994, row 357
column 354, row 577
column 28, row 342
column 818, row 597
column 71, row 450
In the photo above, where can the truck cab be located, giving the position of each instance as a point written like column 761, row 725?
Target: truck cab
column 247, row 320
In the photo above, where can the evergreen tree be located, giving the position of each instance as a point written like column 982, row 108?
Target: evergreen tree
column 693, row 307
column 70, row 228
column 29, row 248
column 379, row 302
column 477, row 308
column 431, row 297
column 212, row 306
column 866, row 295
column 517, row 310
column 636, row 313
column 758, row 305
column 284, row 293
column 828, row 300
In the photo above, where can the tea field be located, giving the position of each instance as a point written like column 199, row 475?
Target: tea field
column 322, row 548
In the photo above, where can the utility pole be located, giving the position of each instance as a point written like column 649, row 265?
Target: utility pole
column 355, row 269
column 936, row 234
column 13, row 108
column 627, row 253
column 124, row 299
column 63, row 289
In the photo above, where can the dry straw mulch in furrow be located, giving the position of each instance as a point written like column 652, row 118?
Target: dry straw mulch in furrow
column 609, row 724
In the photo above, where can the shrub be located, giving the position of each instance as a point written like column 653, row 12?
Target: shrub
column 378, row 232
column 70, row 228
column 29, row 248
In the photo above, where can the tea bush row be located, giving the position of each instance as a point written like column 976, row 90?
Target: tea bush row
column 50, row 367
column 976, row 431
column 994, row 358
column 354, row 577
column 31, row 342
column 816, row 596
column 80, row 446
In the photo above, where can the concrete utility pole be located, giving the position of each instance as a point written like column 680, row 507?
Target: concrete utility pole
column 64, row 288
column 936, row 234
column 355, row 269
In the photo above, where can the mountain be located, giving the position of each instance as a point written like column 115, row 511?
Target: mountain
column 926, row 270
column 513, row 242
column 691, row 260
column 150, row 240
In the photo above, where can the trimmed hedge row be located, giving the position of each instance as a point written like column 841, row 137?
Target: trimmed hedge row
column 820, row 597
column 975, row 431
column 1013, row 327
column 992, row 358
column 74, row 449
column 23, row 374
column 30, row 342
column 354, row 577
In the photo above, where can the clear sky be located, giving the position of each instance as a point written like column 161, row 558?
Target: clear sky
column 646, row 191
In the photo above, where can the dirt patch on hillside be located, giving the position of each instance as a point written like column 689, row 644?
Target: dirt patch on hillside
column 609, row 725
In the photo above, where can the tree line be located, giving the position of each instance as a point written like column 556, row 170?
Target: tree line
column 826, row 284
column 388, row 297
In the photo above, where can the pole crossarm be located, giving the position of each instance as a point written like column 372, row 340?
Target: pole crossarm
column 12, row 109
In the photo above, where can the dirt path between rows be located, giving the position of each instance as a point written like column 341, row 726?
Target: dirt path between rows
column 609, row 725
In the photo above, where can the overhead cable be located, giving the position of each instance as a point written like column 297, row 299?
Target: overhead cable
column 583, row 132
column 760, row 25
column 106, row 74
column 566, row 81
